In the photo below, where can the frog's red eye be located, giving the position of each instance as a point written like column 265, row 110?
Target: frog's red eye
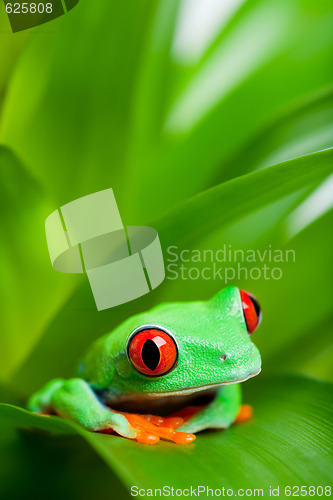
column 251, row 310
column 152, row 351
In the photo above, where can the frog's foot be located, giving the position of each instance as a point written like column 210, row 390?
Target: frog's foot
column 150, row 428
column 245, row 413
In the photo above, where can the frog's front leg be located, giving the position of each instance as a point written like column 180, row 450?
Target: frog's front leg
column 74, row 399
column 219, row 414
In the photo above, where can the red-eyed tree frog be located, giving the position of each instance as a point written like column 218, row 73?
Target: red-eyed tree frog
column 166, row 373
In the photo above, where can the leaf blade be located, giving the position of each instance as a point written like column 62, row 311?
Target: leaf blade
column 281, row 446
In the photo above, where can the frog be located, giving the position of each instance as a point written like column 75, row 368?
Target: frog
column 169, row 372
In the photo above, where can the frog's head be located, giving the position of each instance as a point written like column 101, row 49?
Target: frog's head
column 179, row 348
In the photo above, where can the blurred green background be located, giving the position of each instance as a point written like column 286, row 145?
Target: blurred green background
column 213, row 122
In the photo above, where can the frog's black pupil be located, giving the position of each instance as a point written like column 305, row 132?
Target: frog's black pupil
column 150, row 354
column 256, row 306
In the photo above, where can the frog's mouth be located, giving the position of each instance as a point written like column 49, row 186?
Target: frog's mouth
column 165, row 403
column 182, row 392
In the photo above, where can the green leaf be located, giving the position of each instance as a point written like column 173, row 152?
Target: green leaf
column 243, row 83
column 299, row 302
column 243, row 195
column 9, row 52
column 301, row 129
column 30, row 291
column 288, row 442
column 77, row 82
column 37, row 459
column 94, row 123
column 153, row 81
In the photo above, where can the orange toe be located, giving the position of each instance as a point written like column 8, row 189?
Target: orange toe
column 173, row 422
column 245, row 413
column 150, row 428
column 146, row 438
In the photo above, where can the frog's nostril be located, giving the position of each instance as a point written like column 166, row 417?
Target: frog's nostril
column 223, row 357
